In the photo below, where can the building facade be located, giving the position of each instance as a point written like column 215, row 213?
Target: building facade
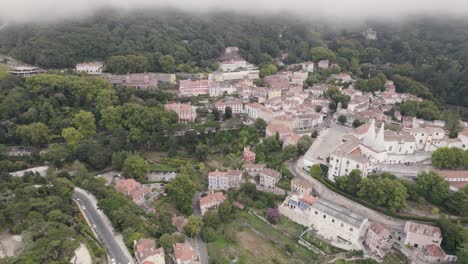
column 219, row 180
column 269, row 178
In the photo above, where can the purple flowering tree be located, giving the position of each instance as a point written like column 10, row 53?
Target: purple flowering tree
column 273, row 215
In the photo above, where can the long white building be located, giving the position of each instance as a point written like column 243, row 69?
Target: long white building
column 335, row 223
column 367, row 147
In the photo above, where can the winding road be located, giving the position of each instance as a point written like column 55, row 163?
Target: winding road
column 101, row 226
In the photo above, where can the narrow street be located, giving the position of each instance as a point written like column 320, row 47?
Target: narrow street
column 102, row 227
column 198, row 242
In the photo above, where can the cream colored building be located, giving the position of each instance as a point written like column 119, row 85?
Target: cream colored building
column 334, row 223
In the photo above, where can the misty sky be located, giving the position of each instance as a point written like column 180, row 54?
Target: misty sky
column 27, row 10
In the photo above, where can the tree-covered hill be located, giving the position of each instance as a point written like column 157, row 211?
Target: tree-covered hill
column 424, row 56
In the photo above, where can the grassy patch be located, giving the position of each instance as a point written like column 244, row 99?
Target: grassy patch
column 163, row 168
column 4, row 70
column 284, row 184
column 395, row 257
column 325, row 247
column 285, row 238
column 165, row 204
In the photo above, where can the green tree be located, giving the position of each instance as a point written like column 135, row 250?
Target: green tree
column 34, row 134
column 209, row 234
column 342, row 119
column 384, row 191
column 193, row 226
column 268, row 69
column 457, row 202
column 316, row 171
column 167, row 63
column 462, row 253
column 453, row 234
column 201, row 152
column 350, row 183
column 322, row 53
column 225, row 211
column 135, row 167
column 167, row 241
column 182, row 189
column 228, row 113
column 211, row 219
column 433, row 187
column 304, row 144
column 71, row 135
column 85, row 123
column 449, row 158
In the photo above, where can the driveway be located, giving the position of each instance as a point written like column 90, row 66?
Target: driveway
column 102, row 227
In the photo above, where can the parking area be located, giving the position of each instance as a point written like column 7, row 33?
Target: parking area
column 327, row 141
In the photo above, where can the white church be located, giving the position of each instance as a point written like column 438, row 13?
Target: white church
column 368, row 146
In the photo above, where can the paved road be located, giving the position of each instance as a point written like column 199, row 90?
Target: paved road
column 198, row 241
column 296, row 168
column 101, row 227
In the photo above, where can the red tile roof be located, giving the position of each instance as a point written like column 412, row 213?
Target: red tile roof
column 308, row 199
column 184, row 252
column 217, row 197
column 434, row 251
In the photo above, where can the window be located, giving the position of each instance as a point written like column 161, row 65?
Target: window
column 347, row 162
column 333, row 220
column 342, row 225
column 357, row 166
column 351, row 229
column 316, row 212
column 324, row 216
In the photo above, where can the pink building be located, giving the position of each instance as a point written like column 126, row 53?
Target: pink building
column 147, row 253
column 141, row 80
column 248, row 155
column 435, row 254
column 133, row 189
column 323, row 64
column 185, row 254
column 285, row 134
column 185, row 112
column 420, row 235
column 194, row 88
column 377, row 239
column 211, row 200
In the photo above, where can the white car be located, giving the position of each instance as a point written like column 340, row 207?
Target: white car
column 112, row 260
column 84, row 208
column 94, row 225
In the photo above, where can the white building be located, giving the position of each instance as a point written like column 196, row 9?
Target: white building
column 269, row 178
column 366, row 147
column 90, row 67
column 232, row 65
column 236, row 106
column 308, row 66
column 337, row 224
column 219, row 180
column 222, row 89
column 300, row 186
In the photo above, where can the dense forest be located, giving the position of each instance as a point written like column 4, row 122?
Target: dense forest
column 424, row 56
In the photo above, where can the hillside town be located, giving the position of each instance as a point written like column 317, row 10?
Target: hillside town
column 234, row 163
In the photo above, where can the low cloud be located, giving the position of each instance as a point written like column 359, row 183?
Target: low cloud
column 46, row 10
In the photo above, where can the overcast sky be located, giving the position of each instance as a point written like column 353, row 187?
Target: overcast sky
column 32, row 10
